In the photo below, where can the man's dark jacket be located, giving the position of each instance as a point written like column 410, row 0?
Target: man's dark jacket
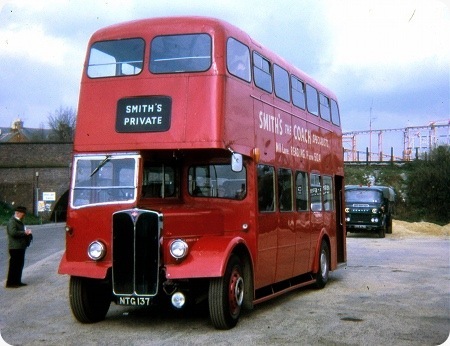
column 17, row 239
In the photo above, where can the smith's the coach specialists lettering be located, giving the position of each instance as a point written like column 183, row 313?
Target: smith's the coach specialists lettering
column 144, row 114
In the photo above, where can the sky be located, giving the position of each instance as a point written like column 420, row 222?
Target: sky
column 388, row 61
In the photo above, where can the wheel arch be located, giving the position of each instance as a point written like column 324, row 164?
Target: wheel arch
column 246, row 259
column 323, row 237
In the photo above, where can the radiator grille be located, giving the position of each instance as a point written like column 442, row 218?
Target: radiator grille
column 361, row 218
column 135, row 252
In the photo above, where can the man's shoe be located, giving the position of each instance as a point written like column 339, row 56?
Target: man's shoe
column 22, row 284
column 12, row 286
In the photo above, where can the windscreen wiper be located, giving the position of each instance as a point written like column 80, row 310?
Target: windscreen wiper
column 101, row 164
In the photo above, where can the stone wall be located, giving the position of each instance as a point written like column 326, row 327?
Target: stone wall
column 29, row 169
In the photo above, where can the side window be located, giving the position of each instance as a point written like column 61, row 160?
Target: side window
column 327, row 190
column 298, row 92
column 285, row 189
column 217, row 181
column 281, row 81
column 324, row 107
column 335, row 118
column 238, row 59
column 159, row 181
column 301, row 191
column 312, row 100
column 266, row 188
column 316, row 192
column 261, row 72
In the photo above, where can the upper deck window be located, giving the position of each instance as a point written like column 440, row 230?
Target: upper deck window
column 281, row 81
column 116, row 58
column 298, row 92
column 180, row 53
column 238, row 59
column 335, row 118
column 262, row 73
column 324, row 107
column 312, row 101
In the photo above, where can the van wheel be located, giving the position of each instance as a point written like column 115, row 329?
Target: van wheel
column 89, row 299
column 389, row 226
column 382, row 232
column 226, row 295
column 324, row 265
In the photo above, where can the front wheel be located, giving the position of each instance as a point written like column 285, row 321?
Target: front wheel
column 382, row 232
column 89, row 299
column 226, row 295
column 389, row 225
column 324, row 265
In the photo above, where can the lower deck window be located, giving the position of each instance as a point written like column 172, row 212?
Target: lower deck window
column 266, row 188
column 217, row 181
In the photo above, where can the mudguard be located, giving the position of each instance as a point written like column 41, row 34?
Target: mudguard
column 323, row 235
column 95, row 270
column 208, row 257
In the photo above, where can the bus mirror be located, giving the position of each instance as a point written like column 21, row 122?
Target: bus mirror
column 236, row 162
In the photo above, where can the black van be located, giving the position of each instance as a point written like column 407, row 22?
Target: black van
column 369, row 209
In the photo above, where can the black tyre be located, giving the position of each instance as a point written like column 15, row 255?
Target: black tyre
column 382, row 232
column 389, row 225
column 226, row 295
column 89, row 299
column 324, row 265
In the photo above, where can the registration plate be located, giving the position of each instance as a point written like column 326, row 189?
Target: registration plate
column 360, row 226
column 134, row 301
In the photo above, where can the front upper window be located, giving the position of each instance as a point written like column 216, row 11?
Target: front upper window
column 116, row 58
column 180, row 53
column 104, row 180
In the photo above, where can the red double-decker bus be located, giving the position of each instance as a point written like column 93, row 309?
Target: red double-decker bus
column 205, row 166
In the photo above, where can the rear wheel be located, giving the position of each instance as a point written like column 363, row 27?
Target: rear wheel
column 226, row 295
column 324, row 265
column 89, row 299
column 382, row 232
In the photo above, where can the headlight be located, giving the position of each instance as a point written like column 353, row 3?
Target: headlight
column 374, row 210
column 96, row 250
column 178, row 249
column 347, row 210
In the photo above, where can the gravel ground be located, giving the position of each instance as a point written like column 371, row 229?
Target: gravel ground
column 393, row 291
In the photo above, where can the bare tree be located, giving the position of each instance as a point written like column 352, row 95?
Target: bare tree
column 62, row 124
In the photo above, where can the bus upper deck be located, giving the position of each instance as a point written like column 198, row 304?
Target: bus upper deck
column 138, row 76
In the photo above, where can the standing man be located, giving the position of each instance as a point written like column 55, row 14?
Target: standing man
column 17, row 243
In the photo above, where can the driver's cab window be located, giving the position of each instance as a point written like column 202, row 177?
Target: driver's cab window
column 159, row 181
